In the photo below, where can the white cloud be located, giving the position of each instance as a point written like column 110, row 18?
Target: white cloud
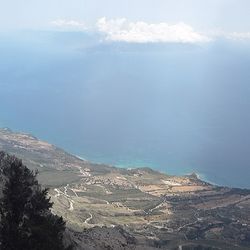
column 238, row 36
column 221, row 34
column 142, row 32
column 69, row 24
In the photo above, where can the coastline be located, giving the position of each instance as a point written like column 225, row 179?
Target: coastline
column 129, row 163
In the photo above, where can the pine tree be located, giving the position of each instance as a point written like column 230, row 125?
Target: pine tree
column 26, row 220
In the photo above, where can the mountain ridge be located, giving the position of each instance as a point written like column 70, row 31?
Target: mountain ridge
column 139, row 208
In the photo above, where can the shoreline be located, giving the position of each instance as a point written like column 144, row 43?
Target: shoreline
column 129, row 166
column 136, row 164
column 201, row 176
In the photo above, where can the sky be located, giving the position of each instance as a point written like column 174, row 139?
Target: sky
column 182, row 64
column 210, row 18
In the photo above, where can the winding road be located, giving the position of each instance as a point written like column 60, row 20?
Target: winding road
column 66, row 196
column 89, row 218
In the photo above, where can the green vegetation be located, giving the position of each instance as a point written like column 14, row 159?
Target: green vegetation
column 157, row 210
column 26, row 220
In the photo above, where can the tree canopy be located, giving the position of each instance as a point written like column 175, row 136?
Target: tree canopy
column 26, row 220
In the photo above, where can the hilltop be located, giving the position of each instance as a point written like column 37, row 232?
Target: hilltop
column 134, row 208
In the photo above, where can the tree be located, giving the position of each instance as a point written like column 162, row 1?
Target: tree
column 26, row 220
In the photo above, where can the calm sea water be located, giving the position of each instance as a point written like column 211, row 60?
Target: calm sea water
column 175, row 108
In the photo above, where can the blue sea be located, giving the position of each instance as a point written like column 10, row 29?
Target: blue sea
column 173, row 107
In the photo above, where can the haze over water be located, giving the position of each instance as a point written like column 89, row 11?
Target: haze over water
column 178, row 108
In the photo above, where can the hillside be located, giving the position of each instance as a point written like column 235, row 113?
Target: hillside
column 112, row 208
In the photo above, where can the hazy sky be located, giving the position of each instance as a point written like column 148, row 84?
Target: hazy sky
column 188, row 105
column 226, row 15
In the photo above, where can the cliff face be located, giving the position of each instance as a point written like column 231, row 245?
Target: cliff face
column 112, row 208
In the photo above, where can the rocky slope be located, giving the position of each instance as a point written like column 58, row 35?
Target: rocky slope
column 112, row 208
